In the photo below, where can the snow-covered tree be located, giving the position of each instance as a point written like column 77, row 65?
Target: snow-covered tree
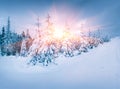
column 23, row 51
column 26, row 43
column 3, row 42
column 0, row 43
column 49, row 42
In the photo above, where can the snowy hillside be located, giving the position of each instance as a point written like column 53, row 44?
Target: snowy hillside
column 97, row 69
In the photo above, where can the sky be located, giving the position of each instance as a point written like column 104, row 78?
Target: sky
column 102, row 14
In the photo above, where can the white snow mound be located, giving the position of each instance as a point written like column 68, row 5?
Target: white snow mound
column 97, row 69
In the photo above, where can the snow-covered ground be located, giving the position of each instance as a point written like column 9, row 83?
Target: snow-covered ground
column 97, row 69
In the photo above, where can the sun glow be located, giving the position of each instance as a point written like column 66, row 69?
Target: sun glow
column 58, row 33
column 59, row 29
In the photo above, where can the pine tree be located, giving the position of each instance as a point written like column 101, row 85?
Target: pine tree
column 23, row 51
column 8, row 39
column 26, row 43
column 18, row 44
column 14, row 43
column 3, row 42
column 23, row 35
column 8, row 32
column 0, row 43
column 28, row 40
column 23, row 45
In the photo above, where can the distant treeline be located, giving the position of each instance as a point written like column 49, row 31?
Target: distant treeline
column 10, row 42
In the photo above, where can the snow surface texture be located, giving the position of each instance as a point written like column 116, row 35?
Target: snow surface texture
column 97, row 69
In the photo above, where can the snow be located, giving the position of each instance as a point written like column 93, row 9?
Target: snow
column 96, row 69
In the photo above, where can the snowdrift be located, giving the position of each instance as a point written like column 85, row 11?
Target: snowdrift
column 96, row 69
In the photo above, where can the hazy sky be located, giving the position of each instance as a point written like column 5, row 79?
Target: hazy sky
column 104, row 13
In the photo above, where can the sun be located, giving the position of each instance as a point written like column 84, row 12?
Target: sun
column 58, row 33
